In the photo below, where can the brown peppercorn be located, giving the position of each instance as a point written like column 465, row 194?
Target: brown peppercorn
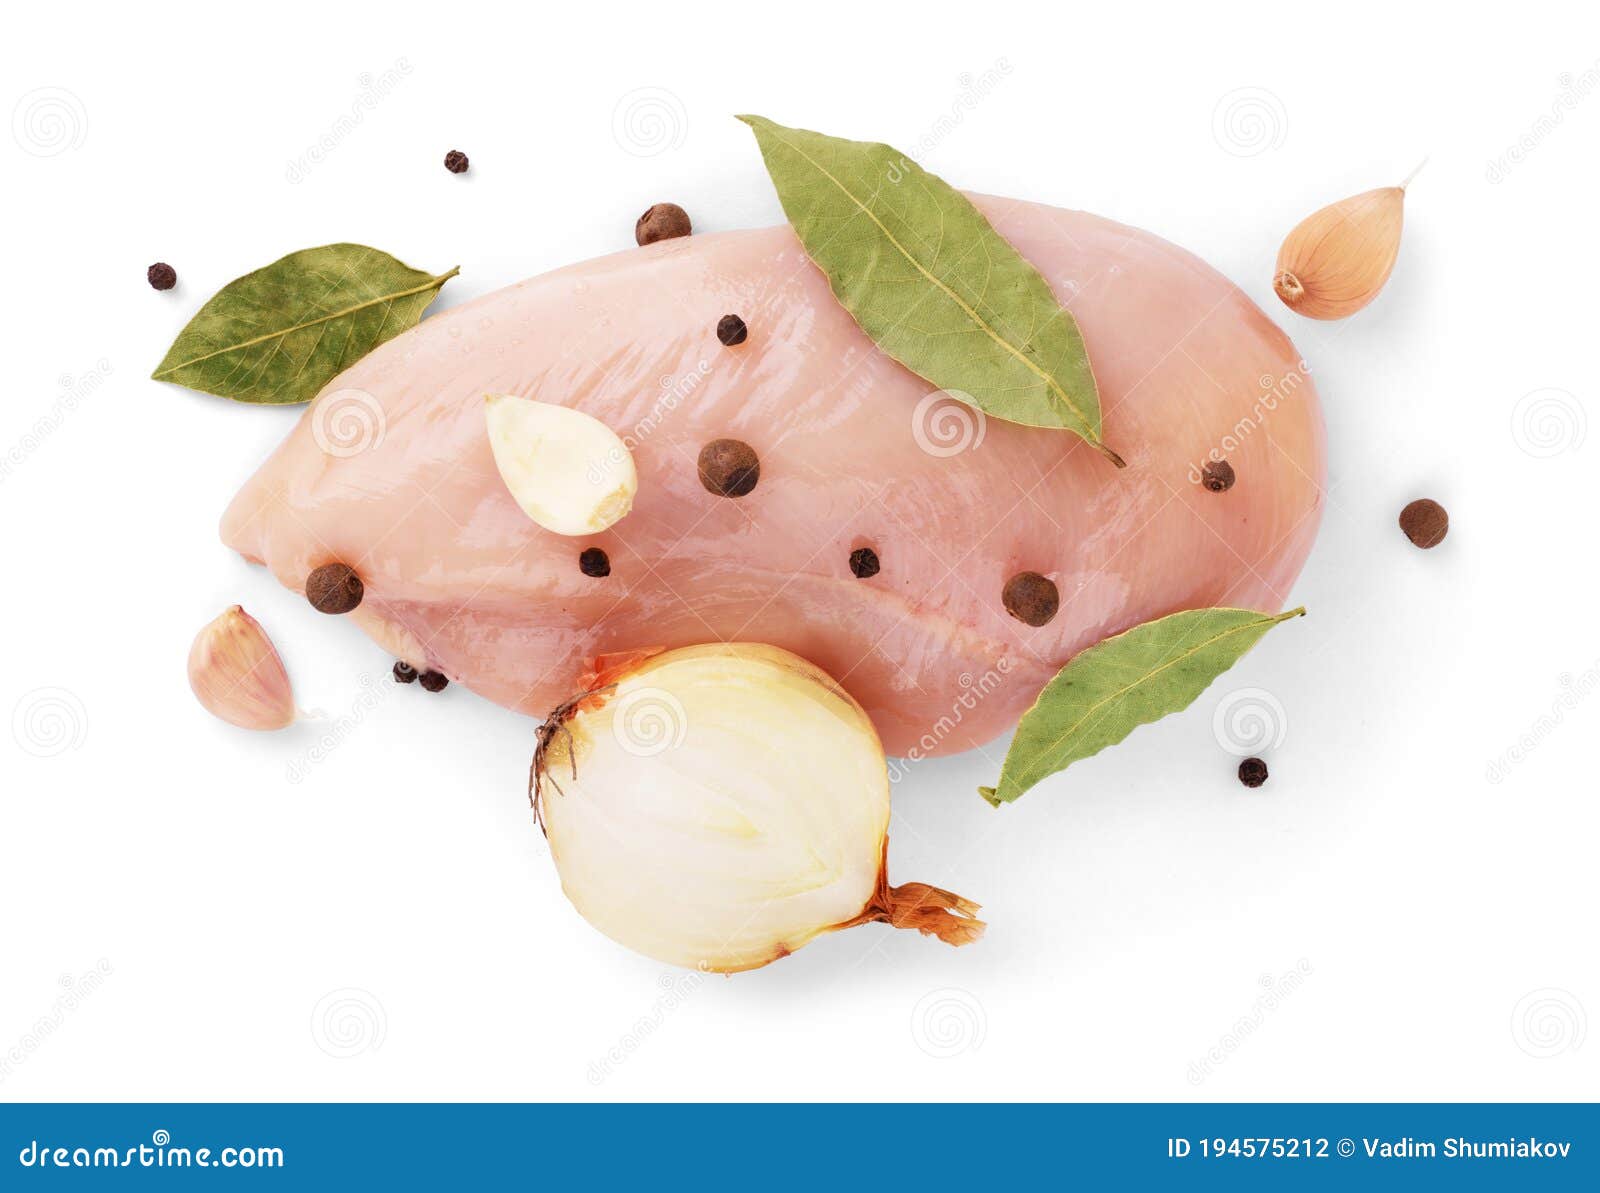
column 334, row 588
column 433, row 681
column 663, row 221
column 1217, row 476
column 864, row 563
column 456, row 162
column 161, row 276
column 1252, row 772
column 729, row 467
column 1031, row 598
column 1425, row 522
column 594, row 562
column 404, row 672
column 731, row 330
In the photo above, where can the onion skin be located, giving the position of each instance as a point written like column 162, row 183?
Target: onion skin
column 748, row 816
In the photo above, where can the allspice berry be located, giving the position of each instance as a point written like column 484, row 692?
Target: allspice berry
column 433, row 681
column 662, row 221
column 456, row 162
column 1217, row 476
column 731, row 330
column 1031, row 598
column 1425, row 522
column 404, row 672
column 1252, row 772
column 334, row 588
column 161, row 276
column 864, row 563
column 594, row 562
column 729, row 467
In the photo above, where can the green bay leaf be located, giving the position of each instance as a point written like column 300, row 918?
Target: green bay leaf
column 1107, row 691
column 278, row 335
column 932, row 283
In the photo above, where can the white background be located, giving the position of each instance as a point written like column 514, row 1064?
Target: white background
column 1442, row 924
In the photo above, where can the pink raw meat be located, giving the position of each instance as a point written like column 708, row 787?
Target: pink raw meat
column 390, row 471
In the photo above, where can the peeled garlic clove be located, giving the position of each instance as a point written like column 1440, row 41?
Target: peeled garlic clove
column 1337, row 259
column 569, row 472
column 718, row 806
column 237, row 675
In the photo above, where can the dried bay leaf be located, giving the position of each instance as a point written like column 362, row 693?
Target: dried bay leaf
column 278, row 335
column 1107, row 691
column 932, row 283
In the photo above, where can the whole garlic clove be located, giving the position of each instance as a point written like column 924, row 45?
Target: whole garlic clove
column 237, row 675
column 569, row 472
column 1337, row 259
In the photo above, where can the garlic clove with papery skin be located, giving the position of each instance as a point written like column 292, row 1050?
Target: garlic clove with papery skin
column 237, row 675
column 1336, row 260
column 719, row 806
column 567, row 470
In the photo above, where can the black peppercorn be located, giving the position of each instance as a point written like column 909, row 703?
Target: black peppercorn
column 1031, row 598
column 731, row 330
column 456, row 162
column 729, row 467
column 663, row 221
column 1425, row 522
column 433, row 681
column 863, row 563
column 161, row 276
column 1252, row 772
column 334, row 588
column 404, row 672
column 594, row 562
column 1217, row 476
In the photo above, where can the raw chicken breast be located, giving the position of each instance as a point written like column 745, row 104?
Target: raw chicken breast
column 391, row 472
